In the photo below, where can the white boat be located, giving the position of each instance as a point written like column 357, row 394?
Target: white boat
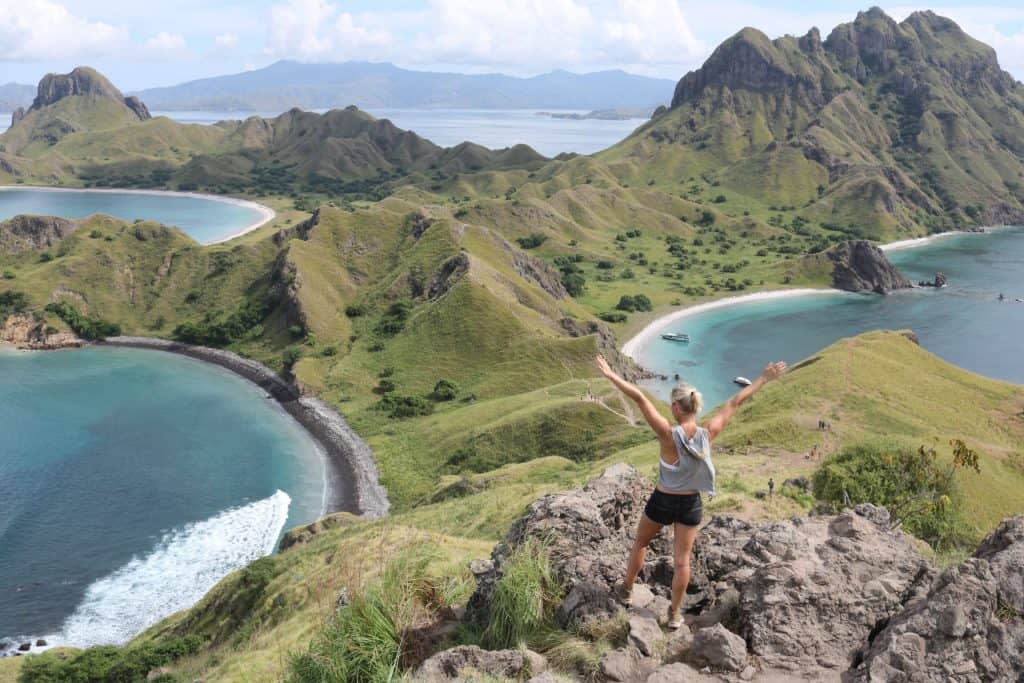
column 676, row 337
column 742, row 381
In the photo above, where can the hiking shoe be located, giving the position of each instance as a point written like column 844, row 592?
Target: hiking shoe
column 675, row 620
column 624, row 593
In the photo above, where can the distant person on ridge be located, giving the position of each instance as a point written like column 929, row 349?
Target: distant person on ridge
column 685, row 469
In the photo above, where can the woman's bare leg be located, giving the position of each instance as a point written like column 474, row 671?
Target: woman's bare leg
column 681, row 548
column 645, row 533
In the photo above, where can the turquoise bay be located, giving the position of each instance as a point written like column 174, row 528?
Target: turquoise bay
column 963, row 323
column 205, row 219
column 131, row 482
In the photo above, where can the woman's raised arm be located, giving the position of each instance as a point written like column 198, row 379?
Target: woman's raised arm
column 655, row 419
column 716, row 424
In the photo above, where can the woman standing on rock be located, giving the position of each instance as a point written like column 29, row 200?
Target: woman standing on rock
column 684, row 471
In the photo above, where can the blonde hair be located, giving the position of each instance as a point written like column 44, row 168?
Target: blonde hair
column 688, row 398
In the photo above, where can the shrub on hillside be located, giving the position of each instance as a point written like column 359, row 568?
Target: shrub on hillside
column 638, row 302
column 107, row 662
column 84, row 326
column 444, row 390
column 393, row 320
column 240, row 323
column 12, row 302
column 405, row 406
column 918, row 489
column 612, row 317
column 532, row 241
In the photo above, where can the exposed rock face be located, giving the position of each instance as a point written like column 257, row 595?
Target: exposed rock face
column 304, row 534
column 26, row 331
column 22, row 233
column 800, row 595
column 859, row 266
column 17, row 115
column 539, row 272
column 449, row 664
column 451, row 271
column 83, row 81
column 606, row 345
column 968, row 627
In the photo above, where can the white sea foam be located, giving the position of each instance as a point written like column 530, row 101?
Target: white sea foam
column 184, row 565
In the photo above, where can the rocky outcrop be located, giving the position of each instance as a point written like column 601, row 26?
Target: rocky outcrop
column 23, row 232
column 472, row 660
column 799, row 597
column 26, row 331
column 304, row 534
column 939, row 281
column 606, row 346
column 17, row 115
column 859, row 266
column 83, row 81
column 969, row 626
column 451, row 271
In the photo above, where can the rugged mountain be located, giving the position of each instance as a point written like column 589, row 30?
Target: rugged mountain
column 80, row 127
column 80, row 101
column 882, row 128
column 287, row 84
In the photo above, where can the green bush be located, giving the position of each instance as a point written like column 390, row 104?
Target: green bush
column 919, row 490
column 240, row 323
column 532, row 241
column 355, row 310
column 405, row 406
column 393, row 320
column 84, row 326
column 444, row 390
column 12, row 302
column 107, row 663
column 290, row 357
column 612, row 317
column 523, row 602
column 9, row 275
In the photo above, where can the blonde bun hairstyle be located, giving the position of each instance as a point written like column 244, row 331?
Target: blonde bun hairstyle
column 689, row 400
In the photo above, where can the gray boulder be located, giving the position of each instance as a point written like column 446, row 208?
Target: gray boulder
column 470, row 659
column 645, row 634
column 720, row 648
column 968, row 627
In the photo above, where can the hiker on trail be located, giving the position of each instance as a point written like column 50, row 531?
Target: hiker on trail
column 771, row 487
column 685, row 470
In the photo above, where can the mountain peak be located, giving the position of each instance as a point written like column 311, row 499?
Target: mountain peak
column 83, row 81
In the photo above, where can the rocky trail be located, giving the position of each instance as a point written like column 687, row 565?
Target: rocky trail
column 825, row 598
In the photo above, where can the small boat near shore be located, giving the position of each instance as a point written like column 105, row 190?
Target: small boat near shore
column 742, row 381
column 676, row 337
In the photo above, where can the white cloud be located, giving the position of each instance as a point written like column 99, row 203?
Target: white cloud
column 165, row 45
column 515, row 35
column 226, row 41
column 315, row 30
column 39, row 29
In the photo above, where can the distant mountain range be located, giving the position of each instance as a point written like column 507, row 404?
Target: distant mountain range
column 288, row 84
column 14, row 95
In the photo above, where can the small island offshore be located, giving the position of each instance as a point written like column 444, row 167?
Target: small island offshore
column 431, row 316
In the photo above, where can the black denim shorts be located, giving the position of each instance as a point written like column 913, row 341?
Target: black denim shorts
column 674, row 508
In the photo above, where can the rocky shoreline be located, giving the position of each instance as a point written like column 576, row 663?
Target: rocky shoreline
column 353, row 481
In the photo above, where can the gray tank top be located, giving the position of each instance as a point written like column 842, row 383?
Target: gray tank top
column 689, row 473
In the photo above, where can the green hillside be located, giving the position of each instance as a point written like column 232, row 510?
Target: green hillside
column 255, row 619
column 449, row 302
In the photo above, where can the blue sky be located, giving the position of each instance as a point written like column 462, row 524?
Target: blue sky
column 142, row 44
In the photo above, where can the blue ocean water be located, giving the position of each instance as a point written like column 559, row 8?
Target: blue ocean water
column 488, row 127
column 205, row 220
column 964, row 323
column 131, row 481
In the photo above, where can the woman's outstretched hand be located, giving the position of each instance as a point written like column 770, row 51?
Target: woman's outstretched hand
column 773, row 370
column 603, row 366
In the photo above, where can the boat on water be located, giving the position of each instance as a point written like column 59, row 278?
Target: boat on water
column 742, row 381
column 676, row 337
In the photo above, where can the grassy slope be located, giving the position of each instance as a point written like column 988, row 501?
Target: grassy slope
column 859, row 384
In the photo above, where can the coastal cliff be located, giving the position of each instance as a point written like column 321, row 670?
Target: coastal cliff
column 23, row 232
column 859, row 266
